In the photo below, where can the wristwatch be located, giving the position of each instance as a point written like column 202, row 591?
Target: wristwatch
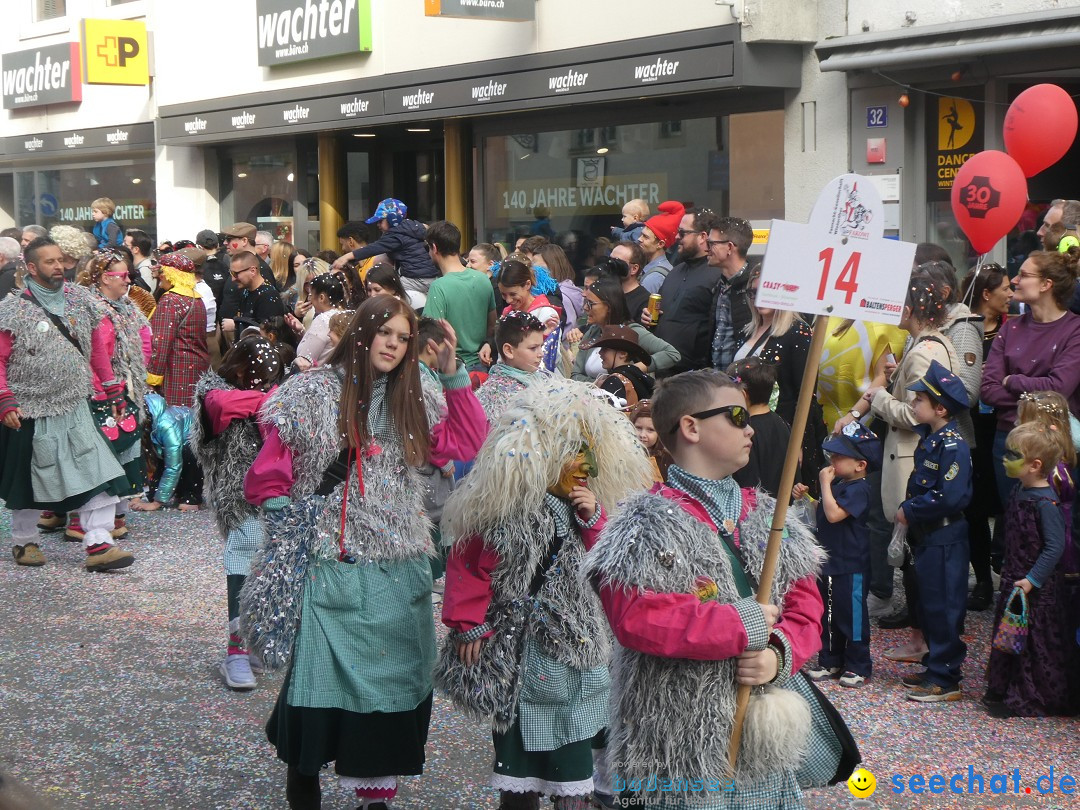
column 855, row 413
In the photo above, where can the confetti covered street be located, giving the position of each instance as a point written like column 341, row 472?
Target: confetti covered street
column 111, row 698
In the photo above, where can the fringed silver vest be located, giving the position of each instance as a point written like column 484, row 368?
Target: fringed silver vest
column 46, row 373
column 225, row 459
column 672, row 718
column 387, row 522
column 128, row 364
column 565, row 618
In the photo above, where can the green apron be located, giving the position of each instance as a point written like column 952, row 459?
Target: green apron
column 367, row 637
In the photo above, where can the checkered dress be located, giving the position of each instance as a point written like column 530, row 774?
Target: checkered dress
column 179, row 354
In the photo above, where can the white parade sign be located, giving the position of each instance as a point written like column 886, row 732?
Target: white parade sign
column 839, row 264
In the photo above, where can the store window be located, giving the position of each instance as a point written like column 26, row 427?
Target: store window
column 62, row 196
column 259, row 186
column 570, row 185
column 49, row 9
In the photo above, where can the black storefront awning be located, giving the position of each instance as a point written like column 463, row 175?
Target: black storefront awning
column 707, row 59
column 954, row 43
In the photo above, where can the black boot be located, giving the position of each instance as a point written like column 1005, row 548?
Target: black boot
column 302, row 791
column 982, row 596
column 508, row 800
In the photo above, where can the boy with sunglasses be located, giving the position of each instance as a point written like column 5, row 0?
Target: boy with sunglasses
column 676, row 570
column 841, row 526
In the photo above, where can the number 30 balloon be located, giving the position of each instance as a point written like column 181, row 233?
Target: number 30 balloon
column 1040, row 126
column 988, row 196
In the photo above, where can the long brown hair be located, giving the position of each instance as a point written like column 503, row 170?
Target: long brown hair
column 403, row 392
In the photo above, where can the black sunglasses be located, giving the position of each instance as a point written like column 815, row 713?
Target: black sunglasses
column 738, row 414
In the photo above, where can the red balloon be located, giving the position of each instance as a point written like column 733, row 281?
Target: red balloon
column 988, row 196
column 1040, row 126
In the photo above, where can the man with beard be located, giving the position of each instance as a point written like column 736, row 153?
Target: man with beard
column 52, row 455
column 687, row 296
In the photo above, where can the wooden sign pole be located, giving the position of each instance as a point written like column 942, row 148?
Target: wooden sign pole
column 787, row 482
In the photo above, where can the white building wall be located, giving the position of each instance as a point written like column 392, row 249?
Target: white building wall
column 816, row 138
column 102, row 105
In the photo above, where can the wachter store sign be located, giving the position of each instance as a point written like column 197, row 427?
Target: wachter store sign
column 48, row 75
column 298, row 30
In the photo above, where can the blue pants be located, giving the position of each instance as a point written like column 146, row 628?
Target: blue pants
column 942, row 574
column 845, row 627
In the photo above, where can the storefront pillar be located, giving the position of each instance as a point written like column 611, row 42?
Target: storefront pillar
column 332, row 200
column 456, row 153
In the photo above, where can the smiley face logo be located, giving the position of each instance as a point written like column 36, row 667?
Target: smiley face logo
column 862, row 784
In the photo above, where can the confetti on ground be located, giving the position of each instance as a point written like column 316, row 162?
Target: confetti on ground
column 111, row 699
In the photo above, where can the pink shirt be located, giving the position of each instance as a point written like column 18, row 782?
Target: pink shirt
column 224, row 407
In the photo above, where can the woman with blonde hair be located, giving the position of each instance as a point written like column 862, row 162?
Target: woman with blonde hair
column 782, row 337
column 281, row 265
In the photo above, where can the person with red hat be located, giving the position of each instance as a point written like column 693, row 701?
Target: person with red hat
column 656, row 237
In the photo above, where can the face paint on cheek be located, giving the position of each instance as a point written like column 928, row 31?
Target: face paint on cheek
column 574, row 474
column 1014, row 467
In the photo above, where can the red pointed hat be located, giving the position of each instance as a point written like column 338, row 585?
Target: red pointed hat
column 666, row 224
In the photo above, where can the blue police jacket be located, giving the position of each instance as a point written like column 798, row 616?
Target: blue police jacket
column 940, row 483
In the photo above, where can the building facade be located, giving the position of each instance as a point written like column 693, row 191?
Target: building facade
column 297, row 115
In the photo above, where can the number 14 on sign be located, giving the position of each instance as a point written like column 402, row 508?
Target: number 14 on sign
column 819, row 273
column 846, row 282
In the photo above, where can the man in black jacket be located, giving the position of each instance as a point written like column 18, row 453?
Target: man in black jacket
column 240, row 237
column 402, row 241
column 687, row 296
column 216, row 267
column 258, row 300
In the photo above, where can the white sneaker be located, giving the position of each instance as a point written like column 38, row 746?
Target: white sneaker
column 236, row 670
column 852, row 681
column 878, row 607
column 820, row 673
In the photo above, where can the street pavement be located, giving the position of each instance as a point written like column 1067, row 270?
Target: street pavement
column 110, row 698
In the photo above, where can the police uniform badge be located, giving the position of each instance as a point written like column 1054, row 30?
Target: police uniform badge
column 953, row 470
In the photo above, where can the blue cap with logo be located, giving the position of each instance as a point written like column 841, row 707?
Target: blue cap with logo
column 944, row 386
column 393, row 211
column 856, row 441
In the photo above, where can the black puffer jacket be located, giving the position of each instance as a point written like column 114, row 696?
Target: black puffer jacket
column 404, row 244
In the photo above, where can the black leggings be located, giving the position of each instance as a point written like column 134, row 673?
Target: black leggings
column 233, row 584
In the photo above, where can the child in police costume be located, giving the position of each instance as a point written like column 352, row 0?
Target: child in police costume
column 841, row 525
column 938, row 491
